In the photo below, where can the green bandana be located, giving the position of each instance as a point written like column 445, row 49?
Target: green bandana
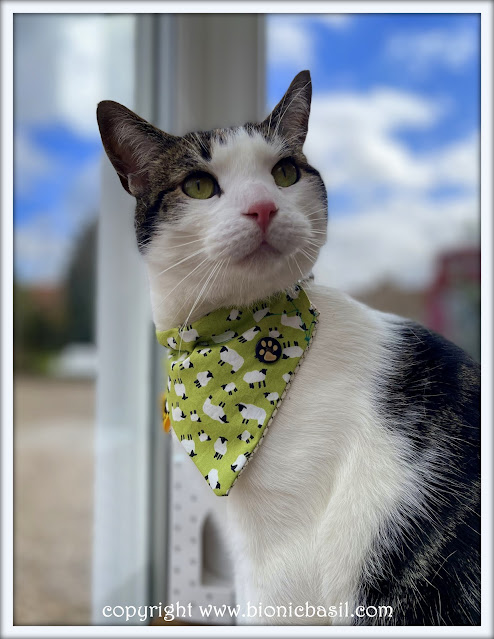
column 227, row 375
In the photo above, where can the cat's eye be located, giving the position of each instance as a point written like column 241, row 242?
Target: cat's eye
column 200, row 186
column 285, row 172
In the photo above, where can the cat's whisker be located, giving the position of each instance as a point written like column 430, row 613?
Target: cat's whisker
column 287, row 258
column 311, row 214
column 182, row 280
column 194, row 290
column 298, row 265
column 171, row 248
column 317, row 215
column 210, row 280
column 307, row 254
column 199, row 284
column 188, row 257
column 201, row 280
column 316, row 211
column 311, row 248
column 210, row 275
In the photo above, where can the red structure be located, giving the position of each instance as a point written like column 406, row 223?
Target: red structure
column 453, row 300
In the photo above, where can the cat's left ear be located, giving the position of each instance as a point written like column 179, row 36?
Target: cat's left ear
column 291, row 115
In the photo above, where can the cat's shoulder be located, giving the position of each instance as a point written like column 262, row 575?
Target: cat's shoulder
column 418, row 364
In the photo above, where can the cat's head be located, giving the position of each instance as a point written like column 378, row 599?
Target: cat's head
column 223, row 217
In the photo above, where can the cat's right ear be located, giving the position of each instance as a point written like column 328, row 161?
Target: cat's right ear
column 131, row 144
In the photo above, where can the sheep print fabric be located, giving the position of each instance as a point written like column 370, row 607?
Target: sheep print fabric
column 227, row 375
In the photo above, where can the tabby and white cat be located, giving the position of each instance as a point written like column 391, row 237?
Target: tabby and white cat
column 366, row 489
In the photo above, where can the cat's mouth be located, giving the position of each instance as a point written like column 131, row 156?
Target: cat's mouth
column 263, row 251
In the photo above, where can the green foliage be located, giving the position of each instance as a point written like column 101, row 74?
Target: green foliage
column 81, row 288
column 41, row 330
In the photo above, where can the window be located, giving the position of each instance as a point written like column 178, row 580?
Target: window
column 63, row 65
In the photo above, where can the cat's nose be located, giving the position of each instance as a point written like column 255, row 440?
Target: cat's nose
column 262, row 212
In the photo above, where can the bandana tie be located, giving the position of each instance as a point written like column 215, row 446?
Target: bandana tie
column 227, row 375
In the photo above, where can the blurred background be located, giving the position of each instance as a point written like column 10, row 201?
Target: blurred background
column 394, row 131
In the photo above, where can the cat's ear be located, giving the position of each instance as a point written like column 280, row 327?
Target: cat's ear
column 131, row 143
column 291, row 115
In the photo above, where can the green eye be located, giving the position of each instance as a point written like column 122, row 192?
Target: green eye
column 285, row 173
column 200, row 186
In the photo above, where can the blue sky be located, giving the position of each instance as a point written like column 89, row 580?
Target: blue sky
column 355, row 56
column 394, row 131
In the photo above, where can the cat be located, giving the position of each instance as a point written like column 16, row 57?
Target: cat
column 366, row 489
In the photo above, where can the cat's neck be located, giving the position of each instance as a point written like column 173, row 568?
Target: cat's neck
column 172, row 308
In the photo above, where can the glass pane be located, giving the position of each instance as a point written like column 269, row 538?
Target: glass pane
column 394, row 131
column 63, row 65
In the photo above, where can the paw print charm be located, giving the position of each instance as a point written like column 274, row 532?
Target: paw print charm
column 268, row 350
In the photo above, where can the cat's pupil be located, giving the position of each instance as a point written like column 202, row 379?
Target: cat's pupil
column 201, row 187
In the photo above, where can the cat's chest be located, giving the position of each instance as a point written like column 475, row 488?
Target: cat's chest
column 307, row 503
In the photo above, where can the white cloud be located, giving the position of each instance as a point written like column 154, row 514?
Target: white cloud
column 398, row 242
column 30, row 163
column 41, row 255
column 353, row 142
column 421, row 51
column 351, row 137
column 457, row 163
column 336, row 20
column 289, row 42
column 66, row 64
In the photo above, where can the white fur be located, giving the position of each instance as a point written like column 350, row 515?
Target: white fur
column 305, row 536
column 310, row 503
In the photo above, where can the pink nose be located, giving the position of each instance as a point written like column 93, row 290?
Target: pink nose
column 263, row 212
